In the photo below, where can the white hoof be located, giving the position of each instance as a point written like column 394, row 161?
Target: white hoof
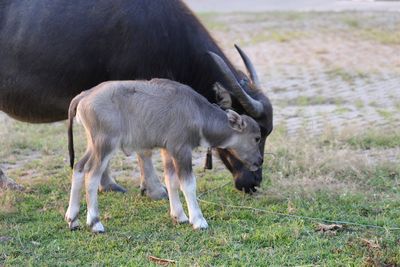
column 181, row 218
column 98, row 228
column 199, row 223
column 73, row 222
column 73, row 225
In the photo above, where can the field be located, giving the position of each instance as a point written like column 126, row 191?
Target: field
column 330, row 194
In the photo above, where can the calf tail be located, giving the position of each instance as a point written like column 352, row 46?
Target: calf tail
column 71, row 115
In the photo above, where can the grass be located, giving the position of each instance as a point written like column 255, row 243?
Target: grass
column 346, row 75
column 276, row 36
column 305, row 177
column 336, row 176
column 210, row 20
column 351, row 22
column 375, row 139
column 386, row 114
column 382, row 36
column 312, row 100
column 371, row 28
column 359, row 103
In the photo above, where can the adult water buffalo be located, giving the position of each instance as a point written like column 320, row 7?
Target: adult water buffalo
column 51, row 50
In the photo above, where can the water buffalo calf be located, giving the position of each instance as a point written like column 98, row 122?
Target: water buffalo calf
column 142, row 115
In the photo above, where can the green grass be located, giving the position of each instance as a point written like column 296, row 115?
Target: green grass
column 386, row 114
column 276, row 36
column 212, row 22
column 370, row 28
column 375, row 139
column 387, row 37
column 312, row 100
column 303, row 177
column 351, row 22
column 397, row 105
column 325, row 177
column 348, row 76
column 359, row 103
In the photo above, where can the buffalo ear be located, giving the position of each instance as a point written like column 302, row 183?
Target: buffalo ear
column 236, row 121
column 224, row 99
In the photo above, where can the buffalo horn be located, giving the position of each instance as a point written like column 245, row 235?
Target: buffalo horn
column 252, row 106
column 249, row 66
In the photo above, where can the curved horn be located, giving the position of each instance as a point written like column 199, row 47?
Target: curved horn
column 253, row 107
column 249, row 66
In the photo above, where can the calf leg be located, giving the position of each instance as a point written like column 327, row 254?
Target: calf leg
column 172, row 182
column 71, row 216
column 92, row 182
column 188, row 187
column 107, row 183
column 183, row 165
column 7, row 183
column 149, row 181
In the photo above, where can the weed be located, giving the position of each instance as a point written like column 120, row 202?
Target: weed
column 359, row 104
column 347, row 76
column 211, row 20
column 375, row 139
column 351, row 22
column 382, row 36
column 276, row 36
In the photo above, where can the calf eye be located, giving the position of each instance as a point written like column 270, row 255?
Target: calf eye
column 257, row 139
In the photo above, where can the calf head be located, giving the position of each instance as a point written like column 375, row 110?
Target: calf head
column 245, row 141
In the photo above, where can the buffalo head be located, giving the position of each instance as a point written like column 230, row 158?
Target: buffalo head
column 243, row 94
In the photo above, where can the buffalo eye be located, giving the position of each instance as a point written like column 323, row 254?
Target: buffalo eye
column 257, row 139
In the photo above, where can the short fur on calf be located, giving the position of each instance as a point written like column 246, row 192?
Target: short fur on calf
column 142, row 115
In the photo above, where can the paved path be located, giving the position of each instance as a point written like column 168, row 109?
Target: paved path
column 322, row 71
column 291, row 5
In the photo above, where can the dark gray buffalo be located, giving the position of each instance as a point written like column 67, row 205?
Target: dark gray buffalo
column 51, row 50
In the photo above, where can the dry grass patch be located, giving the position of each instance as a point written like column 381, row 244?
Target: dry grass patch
column 335, row 163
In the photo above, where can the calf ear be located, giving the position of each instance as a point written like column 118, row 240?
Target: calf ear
column 236, row 121
column 223, row 97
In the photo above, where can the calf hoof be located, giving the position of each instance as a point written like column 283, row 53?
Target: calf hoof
column 157, row 194
column 97, row 228
column 73, row 225
column 180, row 219
column 199, row 223
column 113, row 187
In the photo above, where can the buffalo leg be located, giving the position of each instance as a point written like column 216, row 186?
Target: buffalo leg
column 108, row 183
column 149, row 181
column 172, row 182
column 7, row 183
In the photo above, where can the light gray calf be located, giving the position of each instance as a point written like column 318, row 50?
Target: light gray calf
column 142, row 115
